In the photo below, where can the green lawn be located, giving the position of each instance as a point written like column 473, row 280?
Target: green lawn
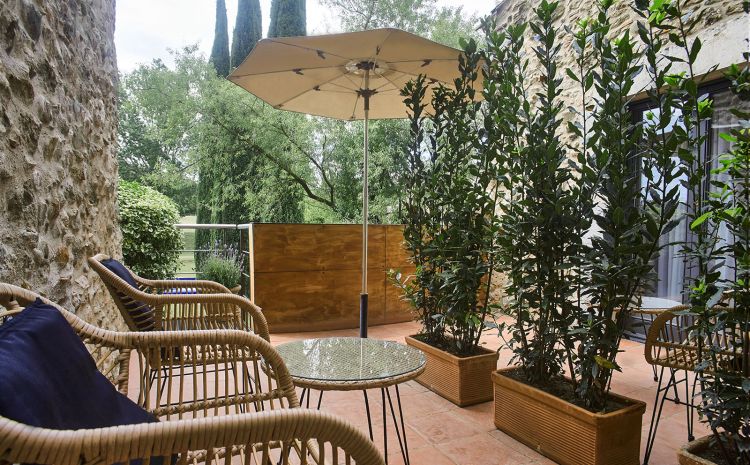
column 187, row 259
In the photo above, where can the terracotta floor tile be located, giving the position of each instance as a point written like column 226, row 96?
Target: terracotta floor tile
column 482, row 449
column 480, row 415
column 424, row 403
column 428, row 455
column 414, row 440
column 439, row 433
column 442, row 427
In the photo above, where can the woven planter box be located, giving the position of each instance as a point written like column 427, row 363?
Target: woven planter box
column 462, row 380
column 687, row 454
column 565, row 433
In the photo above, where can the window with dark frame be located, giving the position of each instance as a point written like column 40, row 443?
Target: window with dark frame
column 671, row 266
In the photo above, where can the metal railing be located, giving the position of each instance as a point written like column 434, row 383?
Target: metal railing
column 220, row 237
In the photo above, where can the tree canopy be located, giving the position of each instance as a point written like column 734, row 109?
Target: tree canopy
column 288, row 18
column 248, row 30
column 253, row 163
column 223, row 154
column 422, row 17
column 220, row 49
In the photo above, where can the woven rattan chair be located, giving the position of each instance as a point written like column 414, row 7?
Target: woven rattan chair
column 673, row 345
column 180, row 304
column 668, row 336
column 206, row 419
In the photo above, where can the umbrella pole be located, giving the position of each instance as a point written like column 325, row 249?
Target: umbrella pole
column 363, row 298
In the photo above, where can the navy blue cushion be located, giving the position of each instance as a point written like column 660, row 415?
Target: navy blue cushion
column 49, row 380
column 142, row 314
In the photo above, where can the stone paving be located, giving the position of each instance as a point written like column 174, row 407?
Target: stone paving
column 439, row 433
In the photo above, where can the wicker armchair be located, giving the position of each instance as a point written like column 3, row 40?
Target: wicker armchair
column 667, row 341
column 205, row 420
column 180, row 304
column 673, row 345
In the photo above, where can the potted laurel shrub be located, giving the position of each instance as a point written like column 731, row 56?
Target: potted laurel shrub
column 578, row 236
column 723, row 368
column 723, row 328
column 223, row 268
column 450, row 231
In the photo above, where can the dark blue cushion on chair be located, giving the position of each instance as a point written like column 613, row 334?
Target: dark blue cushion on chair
column 142, row 314
column 49, row 380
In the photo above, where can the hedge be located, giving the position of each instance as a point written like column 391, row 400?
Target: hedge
column 150, row 242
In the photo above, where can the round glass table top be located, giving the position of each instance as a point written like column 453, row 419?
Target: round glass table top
column 350, row 359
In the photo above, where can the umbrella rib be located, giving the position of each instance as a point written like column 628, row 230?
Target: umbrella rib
column 344, row 87
column 354, row 110
column 385, row 39
column 285, row 71
column 349, row 77
column 423, row 60
column 280, row 104
column 338, row 66
column 389, row 82
column 428, row 77
column 316, row 50
column 356, row 100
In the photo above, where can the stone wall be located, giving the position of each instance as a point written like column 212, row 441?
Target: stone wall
column 58, row 170
column 723, row 30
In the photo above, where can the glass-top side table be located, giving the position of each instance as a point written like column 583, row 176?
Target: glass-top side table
column 352, row 363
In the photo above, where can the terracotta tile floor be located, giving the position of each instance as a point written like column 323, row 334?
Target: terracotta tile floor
column 440, row 433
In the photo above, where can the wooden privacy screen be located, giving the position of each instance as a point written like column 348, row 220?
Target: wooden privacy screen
column 307, row 277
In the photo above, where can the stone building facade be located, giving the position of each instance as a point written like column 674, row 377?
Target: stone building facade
column 723, row 29
column 58, row 135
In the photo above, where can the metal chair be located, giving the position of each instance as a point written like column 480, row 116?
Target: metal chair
column 667, row 350
column 674, row 346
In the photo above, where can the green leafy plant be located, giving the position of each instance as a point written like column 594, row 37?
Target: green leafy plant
column 449, row 211
column 724, row 370
column 629, row 218
column 150, row 241
column 721, row 329
column 223, row 268
column 578, row 231
column 539, row 216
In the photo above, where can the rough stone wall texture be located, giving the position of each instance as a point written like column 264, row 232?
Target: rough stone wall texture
column 723, row 28
column 58, row 170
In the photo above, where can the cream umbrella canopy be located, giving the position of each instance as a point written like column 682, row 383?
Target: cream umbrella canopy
column 349, row 76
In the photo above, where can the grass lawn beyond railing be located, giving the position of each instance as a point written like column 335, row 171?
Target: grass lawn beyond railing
column 228, row 235
column 186, row 268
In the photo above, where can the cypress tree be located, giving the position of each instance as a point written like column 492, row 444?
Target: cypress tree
column 288, row 18
column 248, row 29
column 220, row 49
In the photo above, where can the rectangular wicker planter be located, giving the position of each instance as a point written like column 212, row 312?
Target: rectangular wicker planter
column 567, row 434
column 687, row 454
column 462, row 380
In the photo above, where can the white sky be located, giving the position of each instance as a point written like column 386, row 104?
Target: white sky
column 145, row 29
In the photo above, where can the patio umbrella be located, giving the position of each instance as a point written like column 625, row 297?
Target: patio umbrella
column 349, row 76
